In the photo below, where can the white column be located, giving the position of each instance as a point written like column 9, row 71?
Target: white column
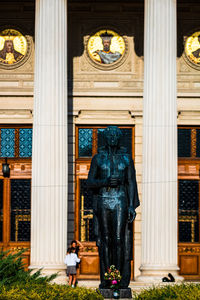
column 49, row 161
column 159, row 207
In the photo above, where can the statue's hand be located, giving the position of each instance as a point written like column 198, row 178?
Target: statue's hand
column 131, row 214
column 113, row 181
column 98, row 242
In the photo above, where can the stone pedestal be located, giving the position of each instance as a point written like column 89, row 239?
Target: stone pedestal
column 159, row 203
column 49, row 161
column 124, row 293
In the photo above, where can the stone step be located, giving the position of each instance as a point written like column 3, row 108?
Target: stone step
column 134, row 285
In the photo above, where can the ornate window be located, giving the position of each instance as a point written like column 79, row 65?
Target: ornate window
column 16, row 142
column 20, row 209
column 188, row 210
column 15, row 191
column 188, row 184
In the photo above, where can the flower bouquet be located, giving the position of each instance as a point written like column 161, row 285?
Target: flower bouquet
column 114, row 277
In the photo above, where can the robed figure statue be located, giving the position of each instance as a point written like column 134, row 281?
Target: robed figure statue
column 115, row 198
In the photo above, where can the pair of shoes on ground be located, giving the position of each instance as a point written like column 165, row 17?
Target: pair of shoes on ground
column 73, row 286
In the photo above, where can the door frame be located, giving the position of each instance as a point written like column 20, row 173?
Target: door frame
column 86, row 161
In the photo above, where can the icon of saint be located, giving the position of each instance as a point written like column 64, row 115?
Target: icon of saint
column 106, row 55
column 196, row 53
column 8, row 54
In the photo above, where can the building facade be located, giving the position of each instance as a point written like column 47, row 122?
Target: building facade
column 67, row 70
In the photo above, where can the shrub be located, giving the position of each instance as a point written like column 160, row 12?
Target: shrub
column 18, row 284
column 43, row 291
column 184, row 291
column 12, row 269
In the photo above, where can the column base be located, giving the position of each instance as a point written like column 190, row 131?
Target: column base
column 49, row 270
column 155, row 274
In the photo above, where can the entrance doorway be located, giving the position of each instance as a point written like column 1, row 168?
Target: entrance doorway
column 88, row 141
column 189, row 202
column 15, row 190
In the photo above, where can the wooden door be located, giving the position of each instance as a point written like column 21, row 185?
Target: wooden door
column 189, row 202
column 15, row 190
column 88, row 140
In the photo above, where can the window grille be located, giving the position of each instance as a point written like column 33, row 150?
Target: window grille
column 184, row 142
column 86, row 213
column 188, row 211
column 20, row 209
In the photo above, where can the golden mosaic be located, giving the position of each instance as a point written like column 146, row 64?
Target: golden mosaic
column 106, row 47
column 192, row 48
column 13, row 47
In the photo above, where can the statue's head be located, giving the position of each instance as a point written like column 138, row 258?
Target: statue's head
column 112, row 135
column 106, row 40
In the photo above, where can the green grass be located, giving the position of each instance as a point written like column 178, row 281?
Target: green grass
column 184, row 291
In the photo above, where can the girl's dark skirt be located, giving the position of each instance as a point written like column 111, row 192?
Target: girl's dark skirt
column 71, row 270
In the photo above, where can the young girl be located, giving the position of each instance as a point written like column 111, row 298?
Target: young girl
column 71, row 259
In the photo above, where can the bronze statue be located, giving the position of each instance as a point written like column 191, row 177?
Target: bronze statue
column 115, row 198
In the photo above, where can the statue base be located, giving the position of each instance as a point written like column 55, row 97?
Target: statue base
column 123, row 293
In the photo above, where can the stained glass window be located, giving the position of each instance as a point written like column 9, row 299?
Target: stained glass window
column 20, row 209
column 184, row 142
column 85, row 142
column 188, row 211
column 126, row 139
column 1, row 210
column 101, row 140
column 16, row 142
column 7, row 142
column 25, row 142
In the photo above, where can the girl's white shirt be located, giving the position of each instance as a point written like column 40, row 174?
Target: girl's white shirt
column 71, row 259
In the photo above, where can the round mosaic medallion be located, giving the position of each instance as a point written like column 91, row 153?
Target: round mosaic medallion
column 14, row 48
column 106, row 48
column 192, row 49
